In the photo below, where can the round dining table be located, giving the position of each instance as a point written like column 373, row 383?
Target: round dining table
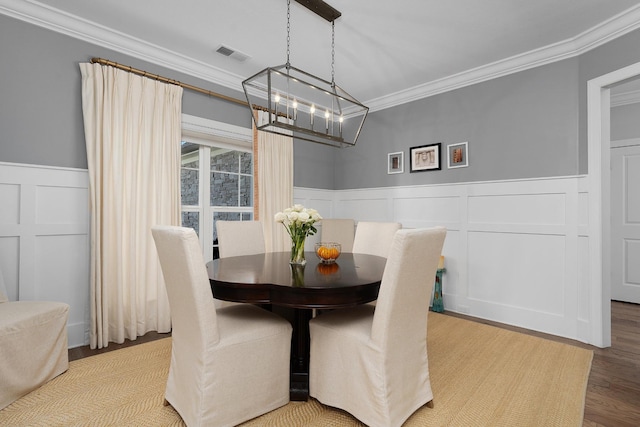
column 293, row 291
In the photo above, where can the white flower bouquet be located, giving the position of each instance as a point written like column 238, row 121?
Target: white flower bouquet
column 298, row 221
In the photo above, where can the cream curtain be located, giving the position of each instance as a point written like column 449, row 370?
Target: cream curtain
column 274, row 157
column 132, row 131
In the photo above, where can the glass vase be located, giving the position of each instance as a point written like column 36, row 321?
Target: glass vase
column 297, row 250
column 297, row 275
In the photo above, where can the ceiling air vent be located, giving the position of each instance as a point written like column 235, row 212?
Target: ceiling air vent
column 232, row 53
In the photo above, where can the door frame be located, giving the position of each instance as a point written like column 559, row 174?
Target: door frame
column 599, row 183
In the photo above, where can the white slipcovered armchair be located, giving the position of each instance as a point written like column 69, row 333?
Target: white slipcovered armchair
column 372, row 361
column 33, row 344
column 227, row 365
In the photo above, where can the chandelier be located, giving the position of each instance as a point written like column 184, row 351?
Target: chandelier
column 298, row 104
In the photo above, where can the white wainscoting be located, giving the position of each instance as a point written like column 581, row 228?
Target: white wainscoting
column 44, row 239
column 516, row 251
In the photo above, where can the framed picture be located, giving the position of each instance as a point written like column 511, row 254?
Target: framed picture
column 395, row 162
column 425, row 157
column 457, row 155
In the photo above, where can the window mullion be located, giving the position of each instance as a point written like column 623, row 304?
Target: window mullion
column 206, row 238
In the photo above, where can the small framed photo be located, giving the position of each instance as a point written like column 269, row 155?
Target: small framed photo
column 425, row 157
column 457, row 155
column 395, row 162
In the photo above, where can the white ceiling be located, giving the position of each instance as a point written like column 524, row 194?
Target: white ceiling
column 386, row 52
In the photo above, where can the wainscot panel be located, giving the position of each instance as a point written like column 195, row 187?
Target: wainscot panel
column 512, row 267
column 516, row 251
column 44, row 239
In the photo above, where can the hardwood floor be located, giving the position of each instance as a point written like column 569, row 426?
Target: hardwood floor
column 85, row 351
column 613, row 391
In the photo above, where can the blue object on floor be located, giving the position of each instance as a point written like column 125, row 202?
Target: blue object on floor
column 438, row 303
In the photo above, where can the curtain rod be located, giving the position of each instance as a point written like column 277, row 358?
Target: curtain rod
column 167, row 80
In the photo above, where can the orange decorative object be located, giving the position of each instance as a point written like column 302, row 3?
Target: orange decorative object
column 328, row 252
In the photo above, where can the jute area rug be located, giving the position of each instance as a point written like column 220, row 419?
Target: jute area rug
column 480, row 375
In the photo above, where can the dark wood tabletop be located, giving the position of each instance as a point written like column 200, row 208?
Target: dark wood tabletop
column 269, row 279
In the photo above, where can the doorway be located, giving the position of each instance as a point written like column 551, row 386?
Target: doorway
column 599, row 183
column 625, row 191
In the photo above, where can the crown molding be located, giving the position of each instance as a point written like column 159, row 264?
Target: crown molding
column 56, row 20
column 53, row 19
column 600, row 34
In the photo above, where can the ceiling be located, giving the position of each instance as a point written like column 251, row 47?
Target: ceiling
column 386, row 52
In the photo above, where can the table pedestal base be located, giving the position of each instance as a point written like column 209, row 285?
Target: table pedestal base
column 299, row 386
column 299, row 379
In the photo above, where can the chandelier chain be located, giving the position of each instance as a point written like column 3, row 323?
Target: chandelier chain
column 333, row 53
column 288, row 31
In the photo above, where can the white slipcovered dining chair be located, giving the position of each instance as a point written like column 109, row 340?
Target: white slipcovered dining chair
column 237, row 238
column 33, row 344
column 227, row 365
column 374, row 238
column 339, row 231
column 372, row 361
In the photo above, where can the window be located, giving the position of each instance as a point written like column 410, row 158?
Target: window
column 216, row 180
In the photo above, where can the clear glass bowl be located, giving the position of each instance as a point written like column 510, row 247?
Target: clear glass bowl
column 328, row 252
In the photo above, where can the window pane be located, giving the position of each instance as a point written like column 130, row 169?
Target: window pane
column 189, row 183
column 247, row 216
column 246, row 163
column 225, row 216
column 224, row 160
column 224, row 189
column 246, row 191
column 191, row 219
column 189, row 187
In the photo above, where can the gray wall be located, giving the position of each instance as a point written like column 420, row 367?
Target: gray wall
column 528, row 124
column 519, row 126
column 525, row 125
column 314, row 165
column 40, row 95
column 625, row 122
column 41, row 105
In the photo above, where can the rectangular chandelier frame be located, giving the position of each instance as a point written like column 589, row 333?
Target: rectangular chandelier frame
column 304, row 106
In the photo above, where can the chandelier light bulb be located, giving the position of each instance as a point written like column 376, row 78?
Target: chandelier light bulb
column 276, row 101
